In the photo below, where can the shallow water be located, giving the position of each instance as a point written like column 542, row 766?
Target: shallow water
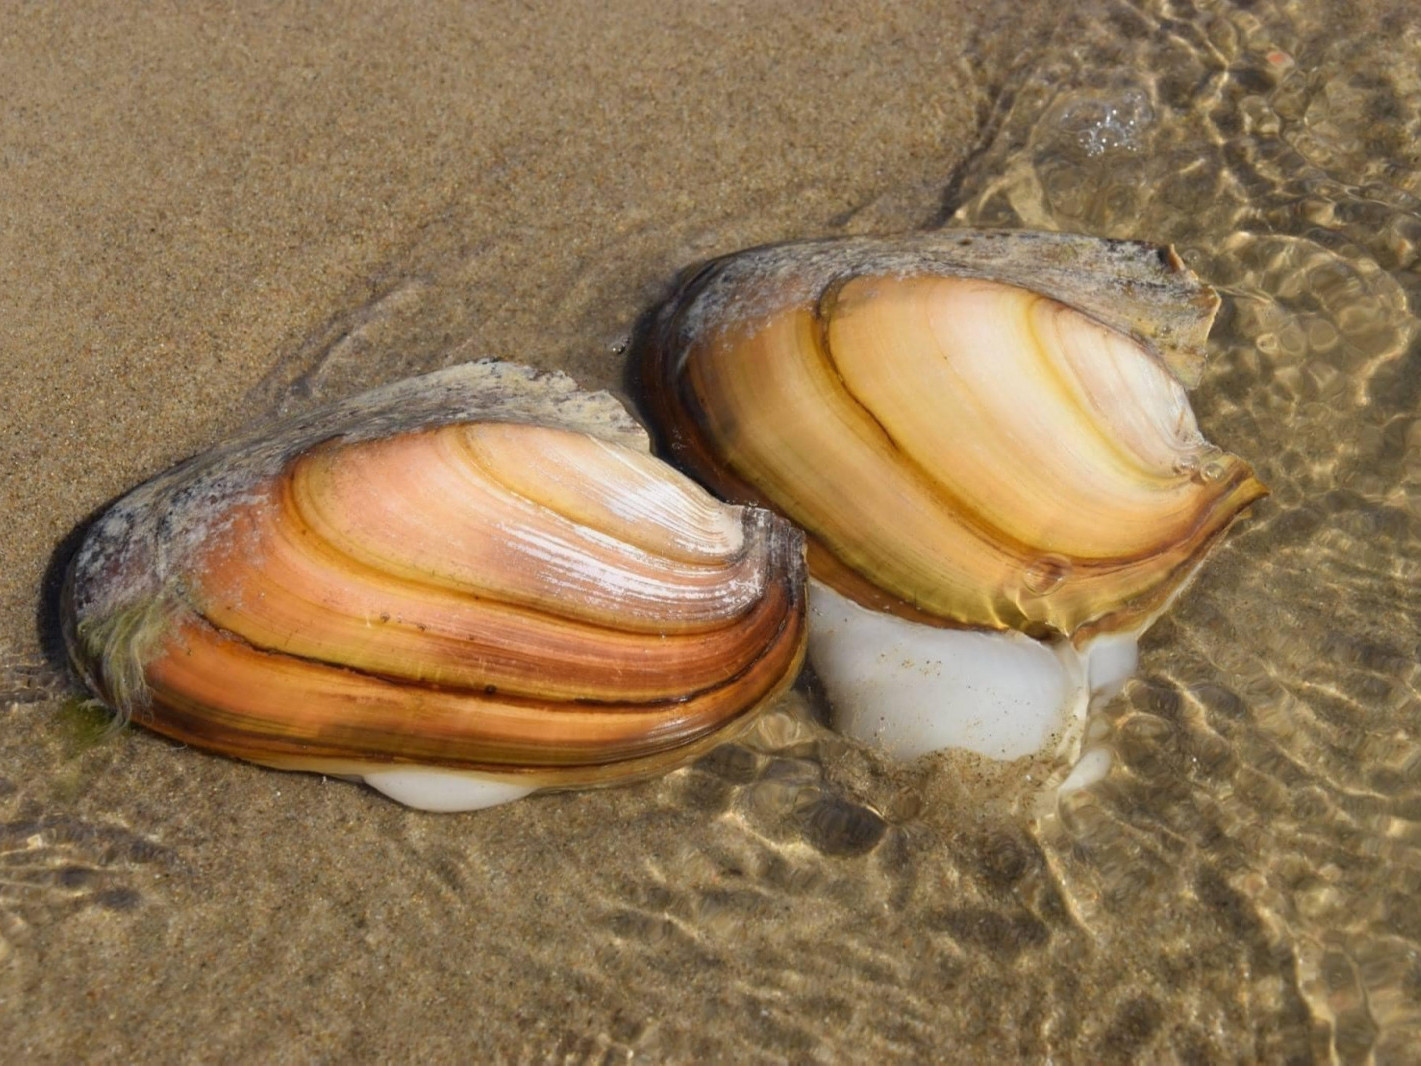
column 1242, row 887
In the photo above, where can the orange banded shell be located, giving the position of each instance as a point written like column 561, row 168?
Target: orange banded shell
column 480, row 571
column 975, row 429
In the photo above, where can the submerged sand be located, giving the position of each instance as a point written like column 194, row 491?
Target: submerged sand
column 210, row 216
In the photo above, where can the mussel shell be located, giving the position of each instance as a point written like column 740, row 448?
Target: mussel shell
column 483, row 570
column 976, row 429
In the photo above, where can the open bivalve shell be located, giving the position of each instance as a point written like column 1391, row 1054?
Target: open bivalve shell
column 460, row 588
column 987, row 439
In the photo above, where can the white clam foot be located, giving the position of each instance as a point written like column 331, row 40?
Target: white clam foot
column 913, row 689
column 444, row 790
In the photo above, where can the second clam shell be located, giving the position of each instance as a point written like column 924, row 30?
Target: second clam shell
column 458, row 588
column 976, row 429
column 985, row 436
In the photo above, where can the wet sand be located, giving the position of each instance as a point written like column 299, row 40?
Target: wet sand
column 208, row 217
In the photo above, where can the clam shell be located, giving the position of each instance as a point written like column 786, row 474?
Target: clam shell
column 481, row 574
column 976, row 429
column 986, row 437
